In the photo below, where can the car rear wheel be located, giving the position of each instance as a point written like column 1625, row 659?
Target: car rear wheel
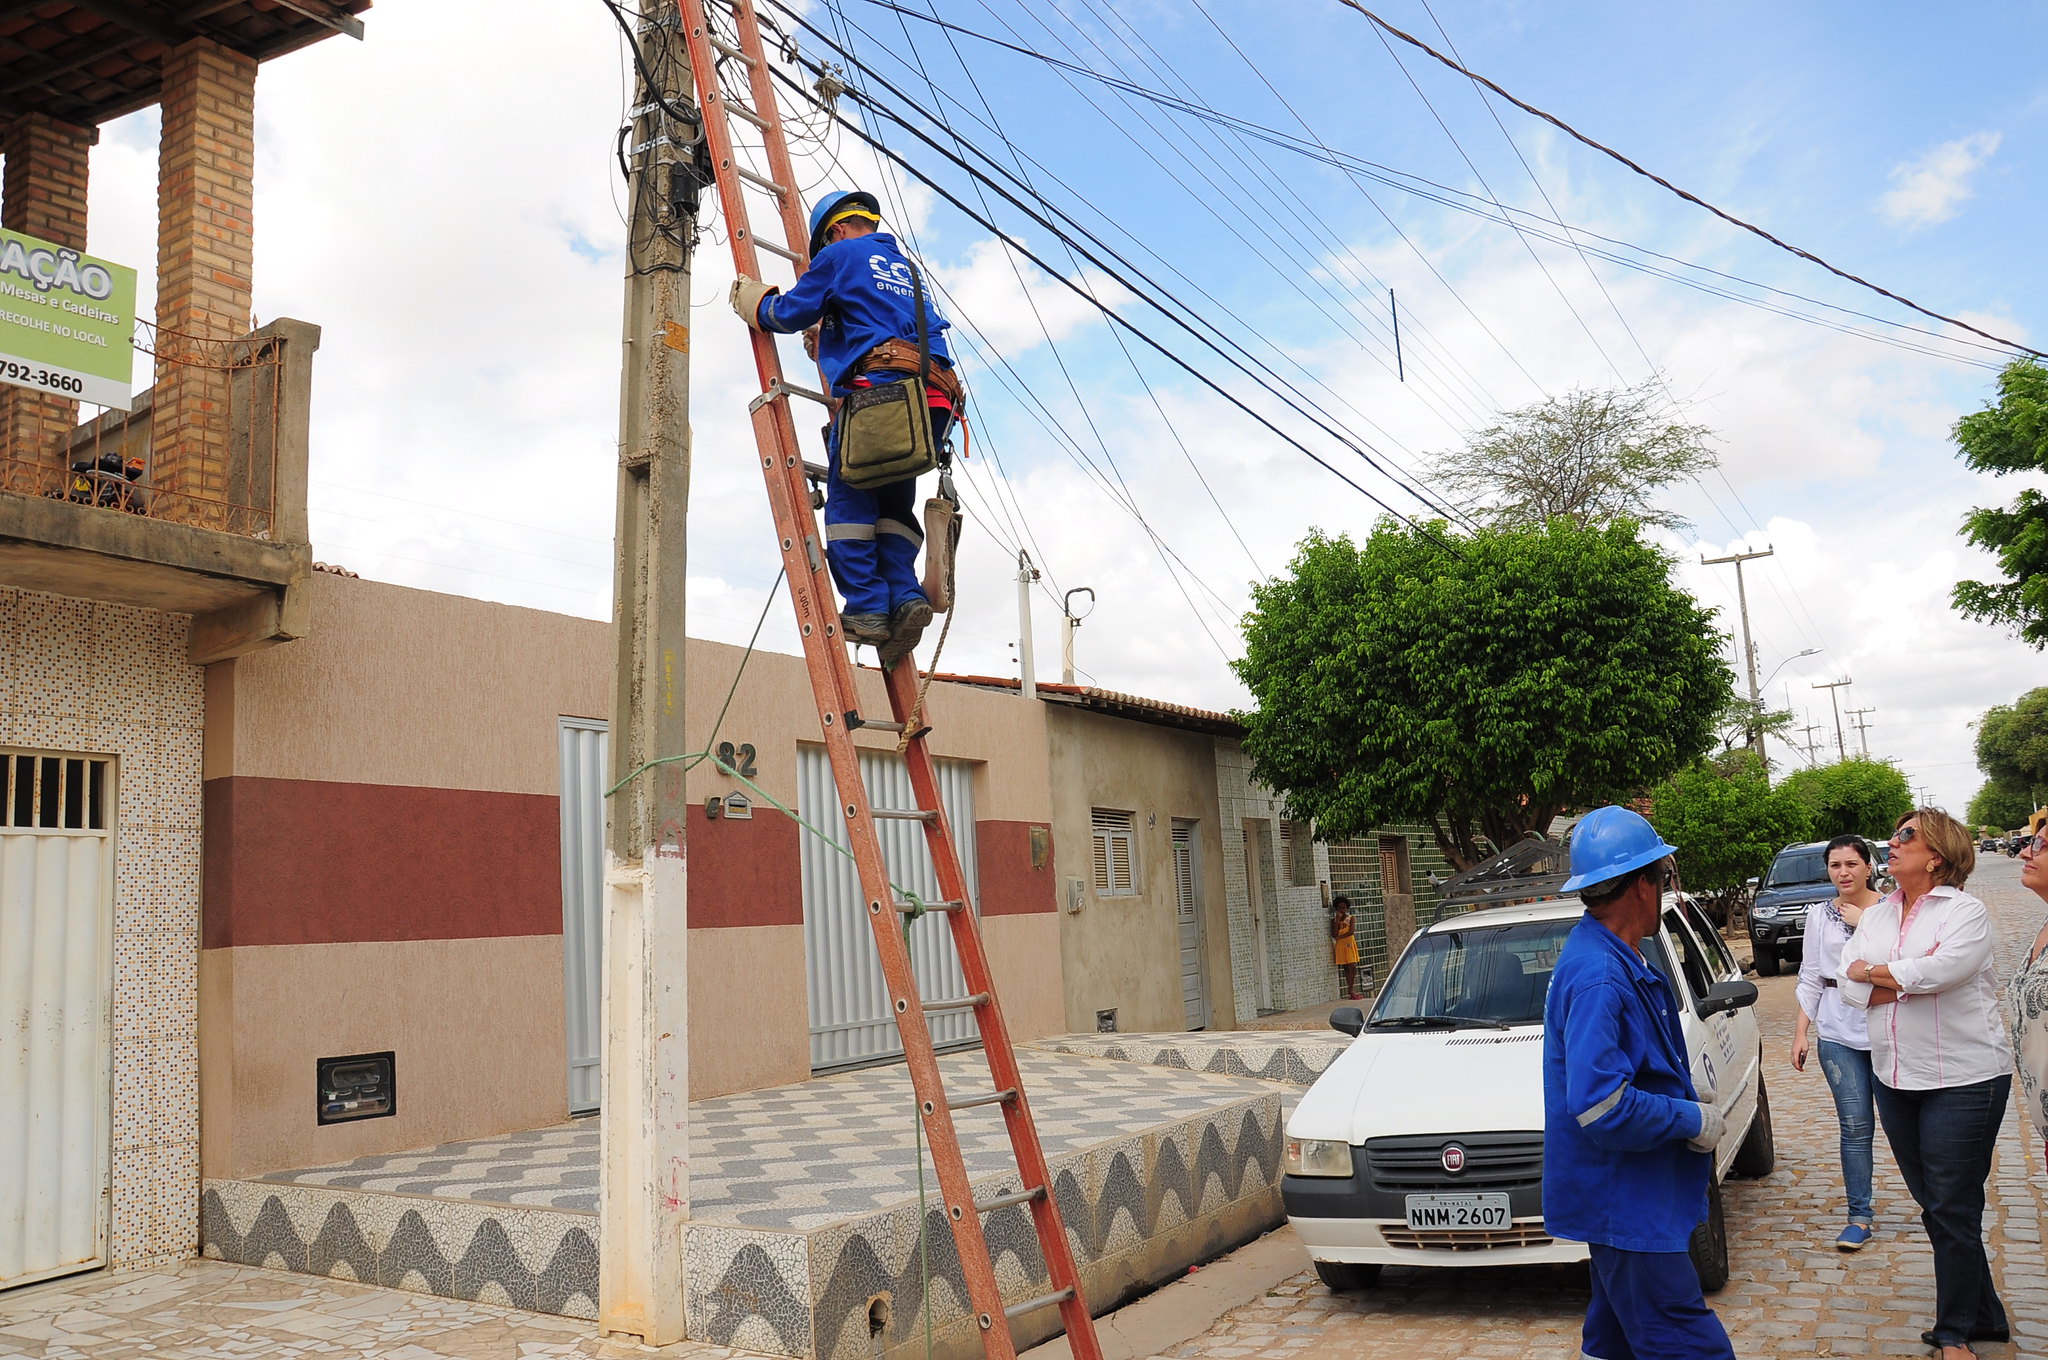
column 1347, row 1276
column 1709, row 1245
column 1758, row 1155
column 1766, row 961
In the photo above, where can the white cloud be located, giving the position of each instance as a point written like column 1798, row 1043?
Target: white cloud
column 1931, row 190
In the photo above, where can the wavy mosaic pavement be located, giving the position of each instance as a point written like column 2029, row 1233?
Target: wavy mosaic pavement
column 804, row 1237
column 1291, row 1057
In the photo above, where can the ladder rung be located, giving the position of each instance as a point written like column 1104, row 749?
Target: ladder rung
column 817, row 472
column 729, row 50
column 774, row 249
column 902, row 814
column 984, row 1206
column 761, row 182
column 958, row 1003
column 855, row 722
column 778, row 387
column 742, row 112
column 908, row 907
column 1016, row 1310
column 1002, row 1097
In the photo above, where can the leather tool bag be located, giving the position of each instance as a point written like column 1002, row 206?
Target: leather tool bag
column 885, row 431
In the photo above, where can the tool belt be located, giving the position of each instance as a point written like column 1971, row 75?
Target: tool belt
column 885, row 431
column 900, row 356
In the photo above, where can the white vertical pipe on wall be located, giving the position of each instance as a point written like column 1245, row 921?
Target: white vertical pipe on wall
column 56, row 971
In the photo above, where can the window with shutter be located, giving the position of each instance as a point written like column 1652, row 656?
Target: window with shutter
column 1116, row 860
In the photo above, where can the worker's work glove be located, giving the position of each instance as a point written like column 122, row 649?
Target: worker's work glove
column 1712, row 1126
column 746, row 299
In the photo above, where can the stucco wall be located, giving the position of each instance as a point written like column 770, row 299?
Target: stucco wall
column 1123, row 952
column 386, row 799
column 77, row 676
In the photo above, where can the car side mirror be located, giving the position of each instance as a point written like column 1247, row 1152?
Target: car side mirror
column 1350, row 1020
column 1751, row 881
column 1722, row 996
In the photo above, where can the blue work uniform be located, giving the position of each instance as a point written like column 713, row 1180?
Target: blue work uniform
column 858, row 292
column 1618, row 1110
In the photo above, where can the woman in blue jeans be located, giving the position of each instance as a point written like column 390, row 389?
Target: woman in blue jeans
column 1920, row 963
column 1843, row 1034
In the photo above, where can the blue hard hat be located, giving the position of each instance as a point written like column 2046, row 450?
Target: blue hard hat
column 1610, row 841
column 837, row 201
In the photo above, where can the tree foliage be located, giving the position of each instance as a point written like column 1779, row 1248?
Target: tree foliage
column 1858, row 796
column 2011, row 435
column 1727, row 822
column 2012, row 743
column 1478, row 683
column 2000, row 806
column 1593, row 457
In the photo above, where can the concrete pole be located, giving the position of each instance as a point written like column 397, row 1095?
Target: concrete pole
column 1862, row 727
column 644, row 1185
column 1027, row 664
column 1833, row 687
column 1756, row 731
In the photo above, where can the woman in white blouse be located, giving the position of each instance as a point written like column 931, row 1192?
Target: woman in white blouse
column 1920, row 963
column 1844, row 1037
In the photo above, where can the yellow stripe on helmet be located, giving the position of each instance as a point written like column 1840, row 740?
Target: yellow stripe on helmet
column 843, row 214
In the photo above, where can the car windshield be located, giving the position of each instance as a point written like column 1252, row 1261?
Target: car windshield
column 1798, row 866
column 1492, row 975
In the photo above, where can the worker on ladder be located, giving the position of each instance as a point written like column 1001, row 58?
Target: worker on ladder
column 875, row 327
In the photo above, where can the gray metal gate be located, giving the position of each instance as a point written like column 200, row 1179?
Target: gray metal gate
column 851, row 1021
column 583, row 745
column 1187, row 895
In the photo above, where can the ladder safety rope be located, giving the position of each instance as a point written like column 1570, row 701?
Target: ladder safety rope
column 734, row 81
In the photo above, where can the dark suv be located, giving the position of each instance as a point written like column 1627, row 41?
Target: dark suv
column 1777, row 920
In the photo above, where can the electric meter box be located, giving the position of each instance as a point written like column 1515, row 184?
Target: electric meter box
column 360, row 1086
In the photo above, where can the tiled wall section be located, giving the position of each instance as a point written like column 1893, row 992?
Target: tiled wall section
column 1297, row 926
column 1355, row 872
column 106, row 679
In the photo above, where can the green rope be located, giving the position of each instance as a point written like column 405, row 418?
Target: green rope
column 924, row 1251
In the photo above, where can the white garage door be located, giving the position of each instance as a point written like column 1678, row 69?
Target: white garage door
column 851, row 1022
column 56, row 973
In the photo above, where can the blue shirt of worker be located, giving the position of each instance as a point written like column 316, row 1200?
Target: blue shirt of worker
column 1618, row 1102
column 858, row 292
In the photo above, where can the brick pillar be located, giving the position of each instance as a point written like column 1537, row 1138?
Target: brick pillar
column 205, row 180
column 43, row 195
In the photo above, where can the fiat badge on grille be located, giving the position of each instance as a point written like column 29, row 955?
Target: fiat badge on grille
column 1454, row 1159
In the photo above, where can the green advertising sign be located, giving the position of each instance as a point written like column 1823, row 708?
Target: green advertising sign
column 67, row 321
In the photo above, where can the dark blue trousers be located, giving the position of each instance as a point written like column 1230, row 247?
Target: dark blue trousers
column 1943, row 1140
column 1647, row 1305
column 871, row 533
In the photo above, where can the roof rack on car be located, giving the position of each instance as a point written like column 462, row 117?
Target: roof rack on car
column 1532, row 869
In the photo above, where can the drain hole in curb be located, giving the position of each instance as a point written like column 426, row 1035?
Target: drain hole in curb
column 878, row 1315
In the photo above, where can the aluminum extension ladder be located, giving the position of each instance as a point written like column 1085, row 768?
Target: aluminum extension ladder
column 737, row 50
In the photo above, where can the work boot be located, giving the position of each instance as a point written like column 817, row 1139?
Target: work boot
column 872, row 629
column 906, row 629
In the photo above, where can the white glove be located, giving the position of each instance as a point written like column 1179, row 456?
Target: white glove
column 1712, row 1126
column 746, row 298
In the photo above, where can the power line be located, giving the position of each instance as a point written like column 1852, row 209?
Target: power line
column 1695, row 199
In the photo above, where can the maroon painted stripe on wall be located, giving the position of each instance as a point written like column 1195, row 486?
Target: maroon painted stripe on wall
column 1010, row 885
column 300, row 861
column 745, row 873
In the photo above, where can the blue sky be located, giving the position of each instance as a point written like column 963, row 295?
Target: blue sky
column 441, row 199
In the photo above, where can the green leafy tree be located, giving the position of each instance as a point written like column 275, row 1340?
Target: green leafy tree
column 1477, row 684
column 2000, row 806
column 1593, row 457
column 1727, row 822
column 2012, row 743
column 1858, row 796
column 2011, row 435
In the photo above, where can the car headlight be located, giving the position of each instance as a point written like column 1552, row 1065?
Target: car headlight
column 1317, row 1157
column 1764, row 913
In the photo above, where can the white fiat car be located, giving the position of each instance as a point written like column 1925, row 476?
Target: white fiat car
column 1422, row 1144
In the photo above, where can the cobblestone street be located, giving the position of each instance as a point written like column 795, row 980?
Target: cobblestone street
column 1790, row 1292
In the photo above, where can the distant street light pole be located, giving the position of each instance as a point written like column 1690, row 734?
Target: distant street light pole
column 1841, row 747
column 1810, row 651
column 1756, row 731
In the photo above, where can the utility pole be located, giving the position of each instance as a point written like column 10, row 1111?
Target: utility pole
column 1026, row 574
column 1756, row 731
column 1811, row 745
column 1832, row 686
column 1070, row 622
column 644, row 1181
column 1862, row 727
